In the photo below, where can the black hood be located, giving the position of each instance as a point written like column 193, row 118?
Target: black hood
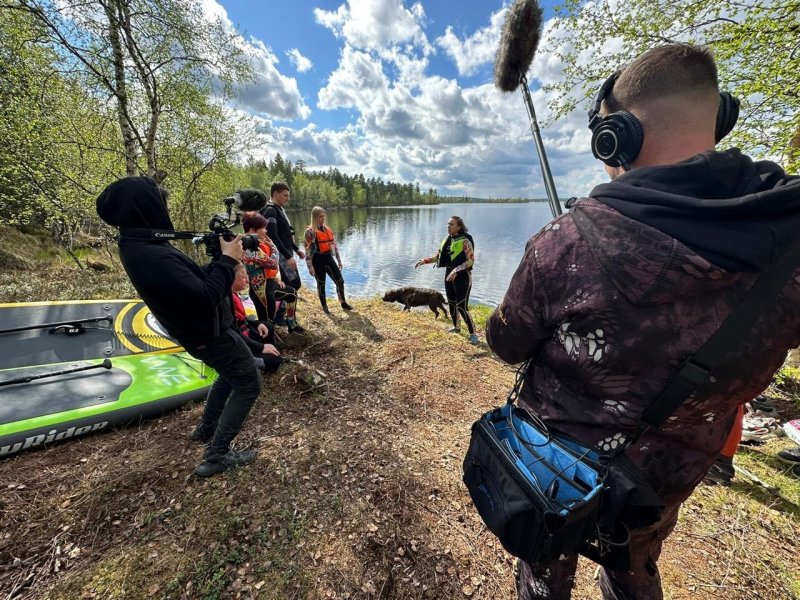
column 134, row 202
column 736, row 213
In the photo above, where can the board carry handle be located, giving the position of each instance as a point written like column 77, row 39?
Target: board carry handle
column 108, row 318
column 106, row 364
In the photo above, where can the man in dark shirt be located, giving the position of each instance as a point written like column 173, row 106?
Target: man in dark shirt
column 193, row 305
column 612, row 296
column 280, row 230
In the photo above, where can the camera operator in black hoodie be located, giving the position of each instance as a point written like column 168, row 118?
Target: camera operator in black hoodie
column 193, row 304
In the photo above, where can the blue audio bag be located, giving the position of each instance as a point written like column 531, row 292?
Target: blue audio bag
column 539, row 492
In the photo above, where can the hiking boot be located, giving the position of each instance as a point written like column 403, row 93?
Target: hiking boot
column 720, row 473
column 230, row 460
column 795, row 471
column 790, row 456
column 473, row 339
column 762, row 406
column 279, row 322
column 202, row 433
column 294, row 327
column 346, row 306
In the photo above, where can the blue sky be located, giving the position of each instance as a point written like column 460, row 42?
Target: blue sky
column 403, row 91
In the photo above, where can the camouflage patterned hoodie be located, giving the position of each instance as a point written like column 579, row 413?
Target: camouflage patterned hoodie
column 611, row 296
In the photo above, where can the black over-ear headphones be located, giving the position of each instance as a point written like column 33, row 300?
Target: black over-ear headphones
column 617, row 138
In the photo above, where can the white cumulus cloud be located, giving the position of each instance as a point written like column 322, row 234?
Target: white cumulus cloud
column 474, row 50
column 410, row 125
column 300, row 62
column 374, row 24
column 272, row 93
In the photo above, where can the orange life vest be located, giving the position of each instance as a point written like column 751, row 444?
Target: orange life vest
column 267, row 249
column 324, row 239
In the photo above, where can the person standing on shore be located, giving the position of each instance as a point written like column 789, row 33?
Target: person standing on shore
column 611, row 297
column 281, row 232
column 322, row 258
column 265, row 276
column 456, row 255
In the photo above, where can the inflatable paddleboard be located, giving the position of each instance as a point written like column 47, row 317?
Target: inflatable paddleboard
column 41, row 405
column 40, row 333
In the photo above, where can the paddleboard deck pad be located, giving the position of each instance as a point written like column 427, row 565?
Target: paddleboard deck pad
column 128, row 328
column 56, row 402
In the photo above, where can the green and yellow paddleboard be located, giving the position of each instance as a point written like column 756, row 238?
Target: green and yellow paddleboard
column 68, row 369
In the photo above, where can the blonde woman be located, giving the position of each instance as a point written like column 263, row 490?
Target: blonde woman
column 322, row 257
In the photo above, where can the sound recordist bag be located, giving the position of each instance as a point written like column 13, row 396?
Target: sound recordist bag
column 544, row 494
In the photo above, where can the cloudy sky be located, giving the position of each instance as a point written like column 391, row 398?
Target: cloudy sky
column 404, row 91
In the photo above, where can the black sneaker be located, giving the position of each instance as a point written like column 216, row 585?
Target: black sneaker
column 279, row 322
column 720, row 473
column 795, row 471
column 296, row 328
column 790, row 456
column 230, row 460
column 346, row 306
column 202, row 433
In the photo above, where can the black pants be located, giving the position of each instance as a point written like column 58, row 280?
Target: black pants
column 325, row 264
column 261, row 309
column 457, row 292
column 233, row 393
column 256, row 342
column 552, row 580
column 286, row 294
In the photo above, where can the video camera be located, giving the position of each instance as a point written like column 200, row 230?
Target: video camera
column 220, row 225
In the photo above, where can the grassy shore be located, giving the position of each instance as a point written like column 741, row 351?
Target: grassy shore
column 357, row 490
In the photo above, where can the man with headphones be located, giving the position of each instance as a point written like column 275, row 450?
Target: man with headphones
column 611, row 296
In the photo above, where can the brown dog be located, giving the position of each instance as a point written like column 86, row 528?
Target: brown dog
column 414, row 296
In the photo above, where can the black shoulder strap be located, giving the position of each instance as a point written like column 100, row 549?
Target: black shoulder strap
column 695, row 372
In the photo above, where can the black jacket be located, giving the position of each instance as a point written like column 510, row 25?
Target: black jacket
column 279, row 229
column 736, row 213
column 191, row 302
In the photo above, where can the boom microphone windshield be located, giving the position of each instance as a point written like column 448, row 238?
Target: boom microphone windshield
column 521, row 34
column 248, row 200
column 518, row 42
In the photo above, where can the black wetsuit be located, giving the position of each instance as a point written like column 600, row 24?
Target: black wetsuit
column 324, row 264
column 457, row 291
column 280, row 230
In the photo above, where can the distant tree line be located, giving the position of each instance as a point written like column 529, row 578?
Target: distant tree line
column 332, row 188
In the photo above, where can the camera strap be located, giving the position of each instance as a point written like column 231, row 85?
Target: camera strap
column 695, row 373
column 158, row 235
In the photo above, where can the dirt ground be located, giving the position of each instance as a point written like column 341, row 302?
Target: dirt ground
column 356, row 493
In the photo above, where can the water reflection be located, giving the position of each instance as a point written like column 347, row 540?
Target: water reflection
column 379, row 246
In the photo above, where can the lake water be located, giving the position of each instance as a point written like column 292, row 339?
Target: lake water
column 380, row 245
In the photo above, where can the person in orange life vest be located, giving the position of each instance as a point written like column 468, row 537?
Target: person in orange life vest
column 257, row 335
column 321, row 248
column 265, row 276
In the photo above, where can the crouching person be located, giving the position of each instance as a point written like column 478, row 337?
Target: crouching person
column 258, row 335
column 193, row 305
